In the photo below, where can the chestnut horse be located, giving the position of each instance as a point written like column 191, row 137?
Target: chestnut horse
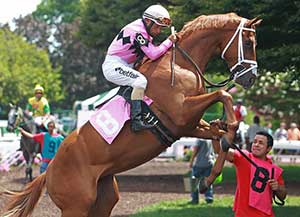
column 80, row 180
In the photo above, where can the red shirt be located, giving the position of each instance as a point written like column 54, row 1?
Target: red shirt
column 241, row 202
column 237, row 113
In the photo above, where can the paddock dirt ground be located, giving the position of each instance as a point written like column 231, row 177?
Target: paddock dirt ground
column 149, row 183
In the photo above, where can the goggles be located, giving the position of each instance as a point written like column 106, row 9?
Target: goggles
column 163, row 21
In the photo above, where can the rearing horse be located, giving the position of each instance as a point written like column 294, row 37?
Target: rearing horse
column 80, row 180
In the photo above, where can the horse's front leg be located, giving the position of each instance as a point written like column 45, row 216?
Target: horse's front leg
column 205, row 130
column 196, row 106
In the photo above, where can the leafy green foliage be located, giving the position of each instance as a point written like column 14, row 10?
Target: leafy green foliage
column 279, row 91
column 102, row 20
column 57, row 11
column 22, row 66
column 79, row 64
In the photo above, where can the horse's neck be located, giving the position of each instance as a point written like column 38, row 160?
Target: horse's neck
column 29, row 125
column 200, row 47
column 170, row 100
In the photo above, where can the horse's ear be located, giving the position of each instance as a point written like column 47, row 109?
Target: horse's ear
column 11, row 105
column 254, row 22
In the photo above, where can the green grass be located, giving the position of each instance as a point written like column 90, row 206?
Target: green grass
column 222, row 207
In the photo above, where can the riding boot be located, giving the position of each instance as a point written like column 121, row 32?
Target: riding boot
column 137, row 122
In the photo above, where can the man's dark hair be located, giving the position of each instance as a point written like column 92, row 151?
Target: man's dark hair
column 51, row 122
column 269, row 138
column 256, row 119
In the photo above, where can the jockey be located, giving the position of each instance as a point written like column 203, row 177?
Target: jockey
column 38, row 107
column 127, row 50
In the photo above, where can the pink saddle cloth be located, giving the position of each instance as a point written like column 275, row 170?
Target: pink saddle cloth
column 109, row 119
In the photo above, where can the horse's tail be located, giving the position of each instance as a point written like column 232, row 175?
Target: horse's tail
column 21, row 204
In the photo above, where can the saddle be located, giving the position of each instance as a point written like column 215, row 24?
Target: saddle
column 162, row 133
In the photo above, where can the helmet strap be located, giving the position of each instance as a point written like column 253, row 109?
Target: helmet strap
column 148, row 27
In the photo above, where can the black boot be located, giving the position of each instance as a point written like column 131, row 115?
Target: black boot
column 137, row 122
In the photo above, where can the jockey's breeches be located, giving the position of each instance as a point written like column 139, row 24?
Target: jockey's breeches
column 121, row 73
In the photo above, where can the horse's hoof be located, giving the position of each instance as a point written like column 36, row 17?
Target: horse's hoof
column 220, row 124
column 202, row 185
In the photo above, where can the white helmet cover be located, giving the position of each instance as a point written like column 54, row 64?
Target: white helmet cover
column 158, row 14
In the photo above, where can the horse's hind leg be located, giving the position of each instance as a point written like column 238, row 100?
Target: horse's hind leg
column 107, row 197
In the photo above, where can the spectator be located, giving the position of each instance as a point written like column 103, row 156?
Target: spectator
column 293, row 132
column 201, row 164
column 252, row 130
column 281, row 132
column 38, row 107
column 49, row 141
column 268, row 128
column 253, row 195
column 240, row 111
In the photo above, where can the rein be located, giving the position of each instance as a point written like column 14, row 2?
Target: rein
column 189, row 58
column 237, row 71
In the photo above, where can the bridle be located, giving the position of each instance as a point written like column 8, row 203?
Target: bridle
column 18, row 116
column 237, row 71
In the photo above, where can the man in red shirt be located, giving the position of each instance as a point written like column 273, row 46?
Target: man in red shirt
column 255, row 185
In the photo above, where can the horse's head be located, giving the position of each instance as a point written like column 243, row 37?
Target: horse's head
column 227, row 34
column 239, row 52
column 15, row 116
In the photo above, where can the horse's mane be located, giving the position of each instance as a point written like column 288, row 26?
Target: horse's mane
column 215, row 21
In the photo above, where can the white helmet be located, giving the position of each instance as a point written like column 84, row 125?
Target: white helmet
column 158, row 14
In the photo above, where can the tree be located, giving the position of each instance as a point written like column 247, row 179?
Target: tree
column 101, row 20
column 54, row 26
column 57, row 11
column 22, row 66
